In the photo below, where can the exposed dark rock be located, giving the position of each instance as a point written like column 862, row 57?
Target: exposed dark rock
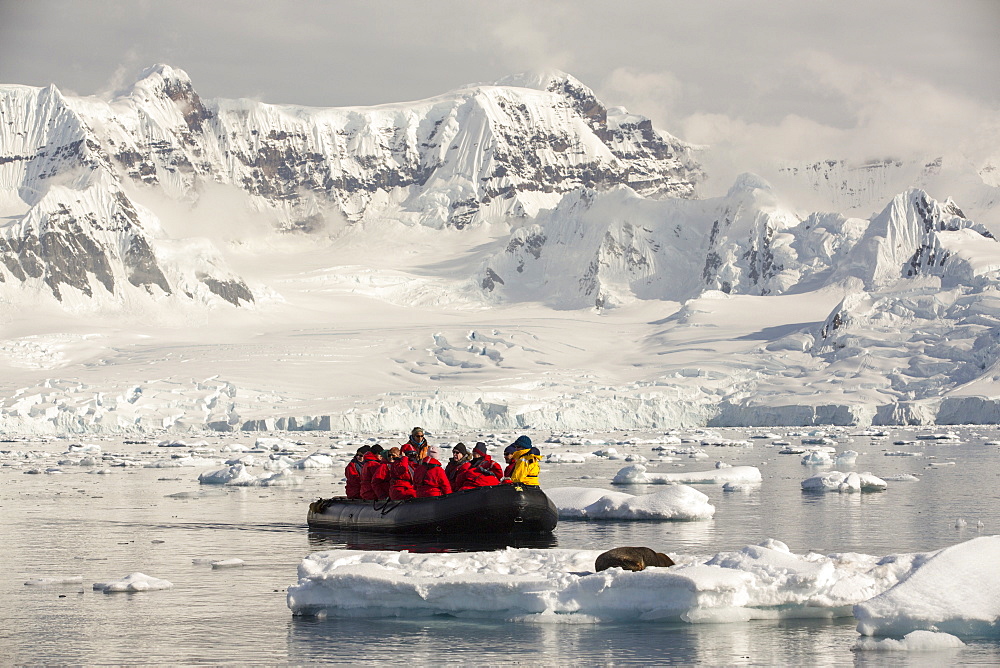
column 233, row 291
column 491, row 280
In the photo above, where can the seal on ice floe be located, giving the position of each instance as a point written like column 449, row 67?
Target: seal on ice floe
column 631, row 559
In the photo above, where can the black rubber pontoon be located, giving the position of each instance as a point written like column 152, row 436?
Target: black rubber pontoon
column 501, row 509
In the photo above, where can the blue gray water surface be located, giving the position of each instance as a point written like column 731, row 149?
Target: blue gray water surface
column 161, row 522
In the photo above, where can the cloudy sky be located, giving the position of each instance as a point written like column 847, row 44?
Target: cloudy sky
column 797, row 80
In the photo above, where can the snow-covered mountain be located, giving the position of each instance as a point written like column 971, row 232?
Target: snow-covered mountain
column 482, row 153
column 412, row 242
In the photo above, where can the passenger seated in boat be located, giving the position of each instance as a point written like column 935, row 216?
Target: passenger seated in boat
column 372, row 462
column 459, row 462
column 380, row 477
column 429, row 479
column 353, row 473
column 416, row 440
column 481, row 472
column 522, row 467
column 401, row 478
column 481, row 458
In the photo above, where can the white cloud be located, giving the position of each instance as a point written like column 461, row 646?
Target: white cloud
column 652, row 94
column 889, row 115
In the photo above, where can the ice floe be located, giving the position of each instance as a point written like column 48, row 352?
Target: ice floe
column 679, row 502
column 954, row 590
column 638, row 474
column 236, row 475
column 133, row 583
column 838, row 481
column 914, row 641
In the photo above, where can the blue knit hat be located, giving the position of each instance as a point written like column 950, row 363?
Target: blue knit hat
column 522, row 443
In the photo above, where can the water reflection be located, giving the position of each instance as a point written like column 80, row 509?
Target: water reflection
column 452, row 640
column 360, row 540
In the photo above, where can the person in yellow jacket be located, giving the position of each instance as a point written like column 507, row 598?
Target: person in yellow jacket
column 522, row 462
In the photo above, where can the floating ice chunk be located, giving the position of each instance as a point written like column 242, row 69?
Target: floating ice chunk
column 679, row 502
column 961, row 523
column 234, row 475
column 638, row 475
column 278, row 444
column 567, row 457
column 278, row 463
column 189, row 461
column 609, row 453
column 88, row 449
column 667, row 444
column 45, row 582
column 228, row 563
column 726, row 443
column 283, row 478
column 955, row 590
column 914, row 641
column 939, row 464
column 949, row 436
column 838, row 481
column 133, row 583
column 846, row 458
column 817, row 458
column 182, row 444
column 741, row 487
column 902, row 477
column 315, row 461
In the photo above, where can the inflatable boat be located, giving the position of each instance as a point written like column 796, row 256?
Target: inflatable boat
column 502, row 509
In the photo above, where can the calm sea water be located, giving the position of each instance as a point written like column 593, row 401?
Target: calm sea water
column 159, row 521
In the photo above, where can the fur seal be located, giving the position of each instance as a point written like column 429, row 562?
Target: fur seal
column 631, row 559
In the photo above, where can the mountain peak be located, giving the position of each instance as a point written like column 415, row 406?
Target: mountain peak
column 166, row 73
column 546, row 79
column 748, row 182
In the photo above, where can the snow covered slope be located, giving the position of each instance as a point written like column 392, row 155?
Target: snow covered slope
column 502, row 255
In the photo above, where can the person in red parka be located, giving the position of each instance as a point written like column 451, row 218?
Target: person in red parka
column 429, row 478
column 353, row 473
column 401, row 470
column 458, row 464
column 482, row 471
column 483, row 460
column 372, row 462
column 380, row 476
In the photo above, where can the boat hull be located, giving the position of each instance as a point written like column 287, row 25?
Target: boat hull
column 502, row 509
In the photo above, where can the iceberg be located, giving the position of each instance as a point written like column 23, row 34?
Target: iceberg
column 639, row 475
column 955, row 590
column 679, row 502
